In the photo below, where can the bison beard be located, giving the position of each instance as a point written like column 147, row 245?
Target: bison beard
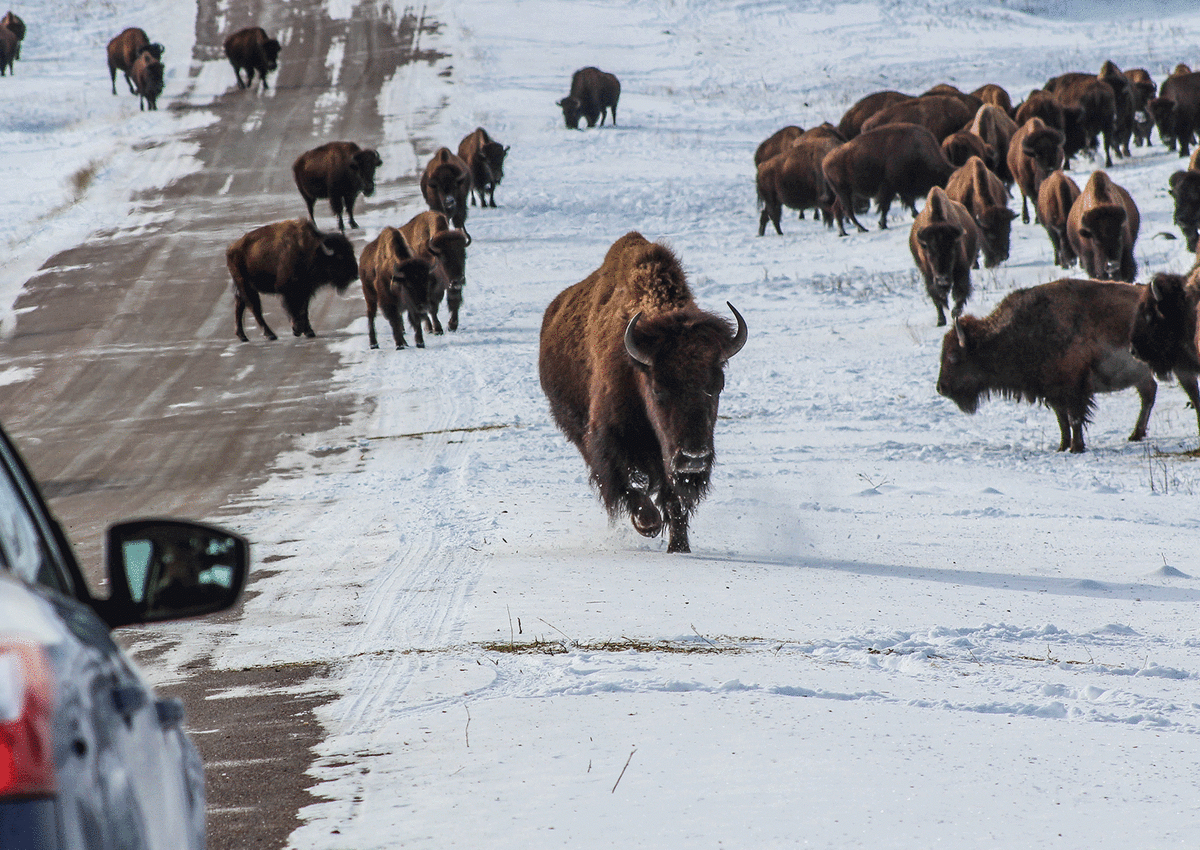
column 633, row 370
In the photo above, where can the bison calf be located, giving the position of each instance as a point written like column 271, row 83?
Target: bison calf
column 338, row 171
column 291, row 259
column 1103, row 227
column 254, row 50
column 395, row 281
column 484, row 157
column 1058, row 344
column 429, row 236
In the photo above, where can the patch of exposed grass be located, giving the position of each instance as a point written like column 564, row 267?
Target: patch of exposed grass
column 83, row 178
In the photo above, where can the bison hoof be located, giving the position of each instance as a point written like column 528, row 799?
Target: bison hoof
column 271, row 336
column 647, row 519
column 375, row 346
column 453, row 325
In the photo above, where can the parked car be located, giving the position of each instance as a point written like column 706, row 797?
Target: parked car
column 89, row 755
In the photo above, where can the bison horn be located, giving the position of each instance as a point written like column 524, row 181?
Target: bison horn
column 469, row 239
column 326, row 249
column 631, row 346
column 958, row 330
column 739, row 338
column 1155, row 289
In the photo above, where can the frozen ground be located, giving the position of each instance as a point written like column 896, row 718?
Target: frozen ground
column 900, row 626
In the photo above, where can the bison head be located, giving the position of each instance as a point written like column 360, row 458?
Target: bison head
column 449, row 247
column 995, row 226
column 271, row 50
column 334, row 261
column 940, row 245
column 362, row 166
column 572, row 108
column 1185, row 189
column 1044, row 147
column 493, row 154
column 679, row 363
column 1162, row 110
column 1164, row 324
column 963, row 377
column 1103, row 229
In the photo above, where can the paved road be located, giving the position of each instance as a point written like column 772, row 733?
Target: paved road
column 144, row 403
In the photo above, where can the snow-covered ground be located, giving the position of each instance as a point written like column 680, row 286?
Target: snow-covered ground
column 899, row 627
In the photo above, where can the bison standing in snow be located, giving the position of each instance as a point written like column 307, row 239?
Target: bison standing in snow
column 1033, row 153
column 16, row 26
column 592, row 93
column 147, row 76
column 978, row 189
column 445, row 184
column 396, row 282
column 1055, row 198
column 338, row 171
column 124, row 50
column 430, row 237
column 944, row 242
column 484, row 157
column 254, row 50
column 1102, row 227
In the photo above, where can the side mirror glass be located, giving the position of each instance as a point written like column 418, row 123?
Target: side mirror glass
column 169, row 569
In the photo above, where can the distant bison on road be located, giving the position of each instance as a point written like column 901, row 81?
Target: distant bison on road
column 291, row 259
column 592, row 92
column 124, row 50
column 633, row 370
column 338, row 171
column 254, row 50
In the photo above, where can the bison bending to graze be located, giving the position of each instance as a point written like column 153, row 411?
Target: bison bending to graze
column 777, row 143
column 396, row 282
column 429, row 236
column 985, row 197
column 338, row 171
column 1102, row 227
column 445, row 184
column 147, row 74
column 941, row 114
column 291, row 259
column 1059, row 344
column 124, row 50
column 633, row 370
column 485, row 160
column 16, row 26
column 944, row 242
column 793, row 178
column 1034, row 152
column 254, row 50
column 1164, row 331
column 592, row 92
column 896, row 160
column 996, row 129
column 1055, row 198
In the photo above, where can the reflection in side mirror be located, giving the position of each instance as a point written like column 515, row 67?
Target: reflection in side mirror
column 168, row 569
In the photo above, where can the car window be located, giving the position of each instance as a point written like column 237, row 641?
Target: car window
column 24, row 549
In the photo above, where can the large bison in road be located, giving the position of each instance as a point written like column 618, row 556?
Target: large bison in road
column 253, row 50
column 633, row 370
column 338, row 171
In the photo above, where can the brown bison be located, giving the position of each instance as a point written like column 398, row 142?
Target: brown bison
column 395, row 281
column 9, row 45
column 985, row 197
column 1164, row 330
column 995, row 95
column 124, row 50
column 592, row 92
column 147, row 74
column 961, row 146
column 291, row 259
column 1144, row 90
column 445, row 184
column 944, row 242
column 1102, row 228
column 430, row 237
column 1034, row 152
column 485, row 160
column 16, row 26
column 1059, row 344
column 633, row 370
column 1185, row 189
column 338, row 171
column 903, row 160
column 794, row 179
column 1055, row 198
column 1097, row 105
column 1177, row 110
column 852, row 120
column 996, row 129
column 254, row 50
column 942, row 114
column 971, row 101
column 777, row 143
column 1123, row 118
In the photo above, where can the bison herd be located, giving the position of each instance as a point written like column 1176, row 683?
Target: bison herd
column 962, row 154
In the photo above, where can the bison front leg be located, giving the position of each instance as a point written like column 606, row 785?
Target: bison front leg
column 1147, row 389
column 349, row 213
column 414, row 319
column 677, row 525
column 453, row 302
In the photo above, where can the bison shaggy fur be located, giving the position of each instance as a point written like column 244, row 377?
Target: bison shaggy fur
column 1102, row 227
column 445, row 184
column 338, row 171
column 592, row 93
column 944, row 242
column 396, row 282
column 484, row 157
column 1034, row 152
column 251, row 48
column 430, row 236
column 986, row 198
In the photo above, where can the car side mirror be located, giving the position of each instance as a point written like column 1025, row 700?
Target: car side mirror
column 170, row 569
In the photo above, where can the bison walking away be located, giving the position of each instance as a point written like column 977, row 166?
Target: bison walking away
column 945, row 243
column 1034, row 152
column 338, row 171
column 1103, row 226
column 592, row 92
column 984, row 195
column 291, row 259
column 16, row 26
column 1059, row 344
column 633, row 370
column 124, row 50
column 1164, row 331
column 254, row 50
column 485, row 160
column 1055, row 198
column 397, row 282
column 429, row 236
column 445, row 184
column 147, row 76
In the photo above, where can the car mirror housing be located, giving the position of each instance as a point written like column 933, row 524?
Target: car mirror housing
column 171, row 569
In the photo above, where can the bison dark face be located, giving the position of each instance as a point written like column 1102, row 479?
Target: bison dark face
column 363, row 166
column 334, row 261
column 494, row 153
column 995, row 225
column 1162, row 110
column 939, row 242
column 1164, row 324
column 412, row 285
column 1104, row 229
column 1185, row 189
column 271, row 49
column 962, row 378
column 572, row 109
column 450, row 249
column 680, row 373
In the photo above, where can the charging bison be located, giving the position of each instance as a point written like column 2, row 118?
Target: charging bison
column 484, row 157
column 592, row 92
column 396, row 282
column 338, row 171
column 124, row 50
column 253, row 50
column 633, row 370
column 1059, row 344
column 429, row 236
column 291, row 259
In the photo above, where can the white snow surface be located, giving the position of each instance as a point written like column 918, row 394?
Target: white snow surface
column 900, row 626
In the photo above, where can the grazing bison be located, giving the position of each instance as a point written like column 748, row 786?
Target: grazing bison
column 445, row 185
column 1034, row 152
column 1164, row 330
column 254, row 50
column 592, row 92
column 996, row 129
column 338, row 171
column 794, row 179
column 942, row 114
column 995, row 95
column 902, row 160
column 777, row 143
column 395, row 281
column 985, row 197
column 1055, row 198
column 124, row 50
column 1144, row 90
column 1102, row 228
column 633, row 370
column 429, row 236
column 852, row 121
column 291, row 259
column 1059, row 344
column 944, row 242
column 8, row 51
column 1177, row 110
column 485, row 160
column 17, row 27
column 147, row 74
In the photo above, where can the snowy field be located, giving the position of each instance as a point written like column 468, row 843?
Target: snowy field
column 899, row 627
